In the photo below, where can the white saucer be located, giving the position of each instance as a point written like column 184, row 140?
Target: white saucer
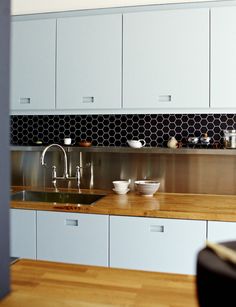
column 121, row 192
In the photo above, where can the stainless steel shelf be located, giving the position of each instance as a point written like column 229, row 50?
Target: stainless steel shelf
column 144, row 150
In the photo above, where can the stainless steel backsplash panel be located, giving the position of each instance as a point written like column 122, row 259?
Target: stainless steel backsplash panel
column 209, row 174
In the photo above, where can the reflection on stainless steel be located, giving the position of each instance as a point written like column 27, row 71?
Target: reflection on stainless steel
column 181, row 173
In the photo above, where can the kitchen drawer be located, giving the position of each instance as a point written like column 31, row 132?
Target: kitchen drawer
column 221, row 231
column 23, row 233
column 72, row 237
column 155, row 244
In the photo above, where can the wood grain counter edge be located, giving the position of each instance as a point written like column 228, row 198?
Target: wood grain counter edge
column 162, row 205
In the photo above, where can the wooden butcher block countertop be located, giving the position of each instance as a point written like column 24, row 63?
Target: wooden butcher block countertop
column 164, row 205
column 48, row 284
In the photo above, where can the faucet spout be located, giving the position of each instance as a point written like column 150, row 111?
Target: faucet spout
column 65, row 175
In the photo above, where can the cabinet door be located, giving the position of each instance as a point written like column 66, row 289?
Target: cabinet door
column 223, row 60
column 166, row 59
column 74, row 238
column 221, row 231
column 89, row 62
column 33, row 65
column 155, row 244
column 23, row 233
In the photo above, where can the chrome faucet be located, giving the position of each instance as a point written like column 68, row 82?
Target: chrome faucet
column 54, row 170
column 65, row 175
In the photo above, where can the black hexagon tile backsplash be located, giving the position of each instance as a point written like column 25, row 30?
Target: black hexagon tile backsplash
column 115, row 130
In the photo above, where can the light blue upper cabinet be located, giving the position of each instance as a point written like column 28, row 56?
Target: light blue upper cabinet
column 89, row 62
column 223, row 57
column 33, row 64
column 166, row 59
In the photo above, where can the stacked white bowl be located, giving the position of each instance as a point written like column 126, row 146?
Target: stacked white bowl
column 121, row 186
column 147, row 187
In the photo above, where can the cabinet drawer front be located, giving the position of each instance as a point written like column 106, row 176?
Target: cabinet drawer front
column 89, row 62
column 166, row 59
column 71, row 237
column 221, row 231
column 23, row 233
column 33, row 65
column 156, row 244
column 223, row 61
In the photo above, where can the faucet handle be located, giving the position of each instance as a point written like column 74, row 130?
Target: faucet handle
column 54, row 175
column 77, row 175
column 54, row 172
column 77, row 171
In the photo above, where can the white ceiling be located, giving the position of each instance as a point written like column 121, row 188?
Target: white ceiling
column 36, row 6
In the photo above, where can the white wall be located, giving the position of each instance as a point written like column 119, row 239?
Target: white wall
column 36, row 6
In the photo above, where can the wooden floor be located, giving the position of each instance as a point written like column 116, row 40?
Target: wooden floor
column 41, row 283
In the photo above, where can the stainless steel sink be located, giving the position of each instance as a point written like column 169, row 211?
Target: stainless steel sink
column 56, row 197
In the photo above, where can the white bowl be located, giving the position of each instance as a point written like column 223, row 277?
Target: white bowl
column 147, row 187
column 121, row 192
column 121, row 184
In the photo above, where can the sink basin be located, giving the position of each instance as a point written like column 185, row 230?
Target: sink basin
column 56, row 197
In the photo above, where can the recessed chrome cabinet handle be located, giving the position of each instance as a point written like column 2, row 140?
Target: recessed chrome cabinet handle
column 88, row 99
column 25, row 100
column 156, row 228
column 164, row 98
column 72, row 222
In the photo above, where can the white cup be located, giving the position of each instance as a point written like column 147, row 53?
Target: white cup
column 121, row 184
column 67, row 141
column 136, row 143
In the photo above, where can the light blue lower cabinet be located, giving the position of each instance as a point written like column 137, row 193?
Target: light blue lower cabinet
column 156, row 244
column 221, row 231
column 152, row 244
column 23, row 233
column 72, row 237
